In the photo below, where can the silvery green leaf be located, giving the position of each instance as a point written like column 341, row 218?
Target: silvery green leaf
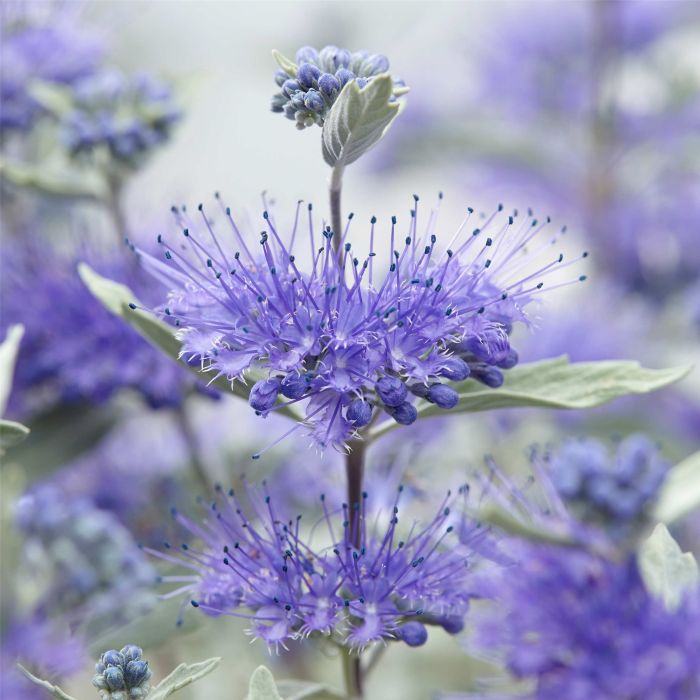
column 286, row 64
column 557, row 384
column 358, row 119
column 666, row 570
column 52, row 97
column 8, row 358
column 11, row 433
column 116, row 297
column 55, row 179
column 307, row 690
column 680, row 494
column 182, row 676
column 55, row 691
column 501, row 519
column 262, row 685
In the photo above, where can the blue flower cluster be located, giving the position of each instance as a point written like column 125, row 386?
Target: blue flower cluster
column 74, row 350
column 307, row 95
column 127, row 116
column 122, row 675
column 88, row 562
column 351, row 333
column 370, row 584
column 616, row 490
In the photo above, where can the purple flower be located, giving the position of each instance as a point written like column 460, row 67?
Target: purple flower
column 40, row 645
column 308, row 96
column 86, row 563
column 363, row 587
column 49, row 45
column 354, row 327
column 122, row 675
column 74, row 350
column 127, row 116
column 579, row 626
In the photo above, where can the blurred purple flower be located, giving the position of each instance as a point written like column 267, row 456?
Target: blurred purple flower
column 74, row 350
column 41, row 41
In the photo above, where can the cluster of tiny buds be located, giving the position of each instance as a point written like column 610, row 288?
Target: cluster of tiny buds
column 122, row 675
column 307, row 96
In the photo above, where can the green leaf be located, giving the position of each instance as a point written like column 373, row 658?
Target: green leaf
column 666, row 570
column 286, row 64
column 262, row 685
column 8, row 358
column 554, row 383
column 680, row 494
column 307, row 690
column 11, row 433
column 54, row 180
column 501, row 519
column 358, row 119
column 52, row 97
column 182, row 676
column 55, row 691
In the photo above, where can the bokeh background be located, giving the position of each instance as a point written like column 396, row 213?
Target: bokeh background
column 588, row 112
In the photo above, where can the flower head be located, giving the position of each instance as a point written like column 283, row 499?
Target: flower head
column 74, row 350
column 307, row 95
column 367, row 584
column 126, row 116
column 86, row 561
column 48, row 45
column 350, row 334
column 122, row 675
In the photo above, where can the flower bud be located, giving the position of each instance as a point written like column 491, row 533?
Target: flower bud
column 307, row 74
column 314, row 101
column 391, row 390
column 359, row 413
column 443, row 396
column 263, row 395
column 294, row 385
column 455, row 369
column 404, row 414
column 328, row 84
column 414, row 634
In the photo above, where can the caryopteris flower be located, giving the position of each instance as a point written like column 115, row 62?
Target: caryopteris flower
column 579, row 626
column 367, row 584
column 307, row 95
column 75, row 351
column 615, row 491
column 122, row 675
column 86, row 562
column 350, row 333
column 125, row 116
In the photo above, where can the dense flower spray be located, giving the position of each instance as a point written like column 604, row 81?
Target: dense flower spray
column 73, row 349
column 352, row 334
column 367, row 584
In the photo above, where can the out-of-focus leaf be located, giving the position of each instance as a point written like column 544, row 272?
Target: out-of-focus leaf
column 117, row 298
column 307, row 690
column 680, row 494
column 55, row 691
column 667, row 571
column 555, row 384
column 8, row 358
column 286, row 64
column 11, row 433
column 52, row 97
column 357, row 120
column 182, row 676
column 54, row 180
column 262, row 685
column 501, row 519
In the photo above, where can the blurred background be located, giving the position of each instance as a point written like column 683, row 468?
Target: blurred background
column 588, row 112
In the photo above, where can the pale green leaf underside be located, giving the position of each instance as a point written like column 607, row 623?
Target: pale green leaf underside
column 667, row 571
column 262, row 685
column 54, row 690
column 182, row 676
column 11, row 433
column 8, row 358
column 556, row 384
column 680, row 494
column 357, row 120
column 286, row 64
column 307, row 690
column 116, row 297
